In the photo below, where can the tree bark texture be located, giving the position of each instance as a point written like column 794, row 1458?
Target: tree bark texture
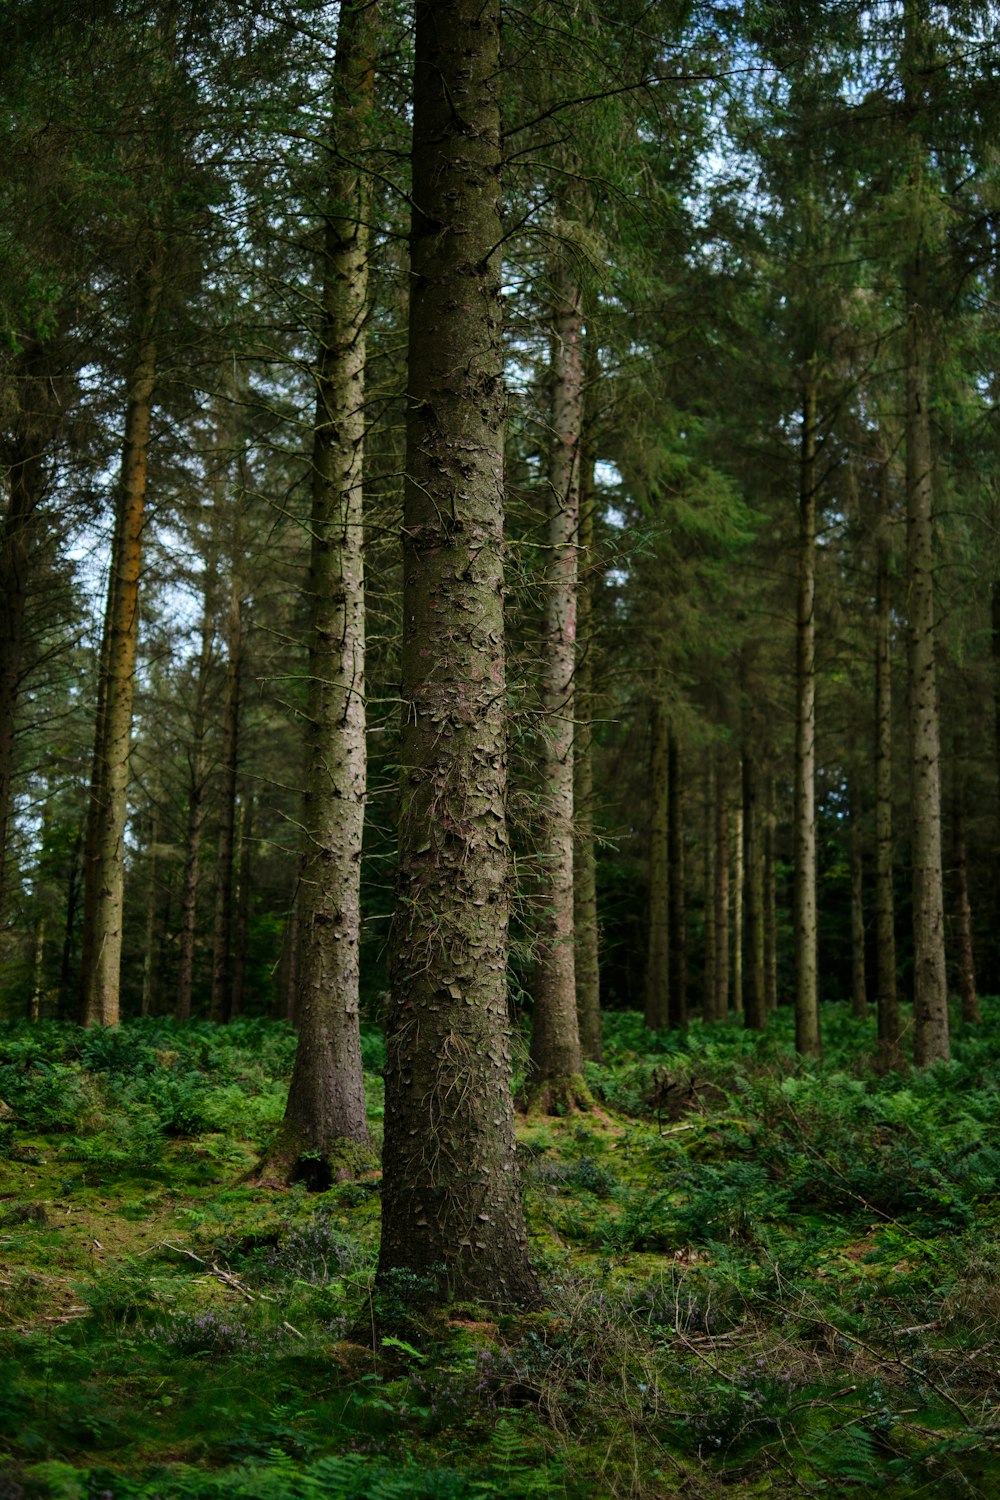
column 657, row 1009
column 326, row 1100
column 968, row 994
column 807, row 1038
column 105, row 883
column 587, row 958
column 556, row 1057
column 452, row 1213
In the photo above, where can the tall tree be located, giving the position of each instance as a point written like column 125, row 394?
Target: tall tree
column 325, row 1114
column 452, row 1212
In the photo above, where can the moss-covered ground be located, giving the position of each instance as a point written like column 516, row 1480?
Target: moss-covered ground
column 763, row 1276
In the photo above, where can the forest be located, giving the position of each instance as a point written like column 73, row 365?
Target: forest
column 499, row 749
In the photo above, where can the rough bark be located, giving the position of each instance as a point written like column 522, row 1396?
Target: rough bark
column 105, row 882
column 326, row 1100
column 807, row 1038
column 451, row 1209
column 677, row 941
column 887, row 995
column 995, row 654
column 657, row 1007
column 149, row 938
column 556, row 1055
column 587, row 958
column 244, row 883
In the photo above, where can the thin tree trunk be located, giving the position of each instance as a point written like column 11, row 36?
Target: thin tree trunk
column 995, row 644
column 722, row 895
column 244, row 865
column 556, row 1055
column 657, row 1010
column 451, row 1208
column 195, row 821
column 290, row 1002
column 222, row 929
column 677, row 941
column 739, row 881
column 587, row 965
column 971, row 1015
column 105, row 883
column 859, row 985
column 887, row 996
column 149, row 937
column 755, row 1008
column 38, row 971
column 807, row 1036
column 69, row 930
column 930, row 991
column 710, row 981
column 770, row 901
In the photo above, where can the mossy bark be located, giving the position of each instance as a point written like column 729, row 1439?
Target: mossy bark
column 755, row 996
column 710, row 984
column 859, row 983
column 676, row 881
column 887, row 996
column 452, row 1216
column 721, row 895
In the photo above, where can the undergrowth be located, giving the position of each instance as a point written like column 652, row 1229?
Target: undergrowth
column 762, row 1275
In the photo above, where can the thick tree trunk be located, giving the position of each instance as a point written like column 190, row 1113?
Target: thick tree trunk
column 755, row 1007
column 587, row 965
column 657, row 1008
column 807, row 1039
column 677, row 941
column 930, row 991
column 326, row 1100
column 710, row 981
column 105, row 883
column 722, row 896
column 859, row 984
column 887, row 996
column 451, row 1209
column 556, row 1056
column 222, row 927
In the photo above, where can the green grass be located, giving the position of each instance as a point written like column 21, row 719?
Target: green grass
column 762, row 1277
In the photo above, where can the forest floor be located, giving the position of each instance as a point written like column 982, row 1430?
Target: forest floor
column 763, row 1276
